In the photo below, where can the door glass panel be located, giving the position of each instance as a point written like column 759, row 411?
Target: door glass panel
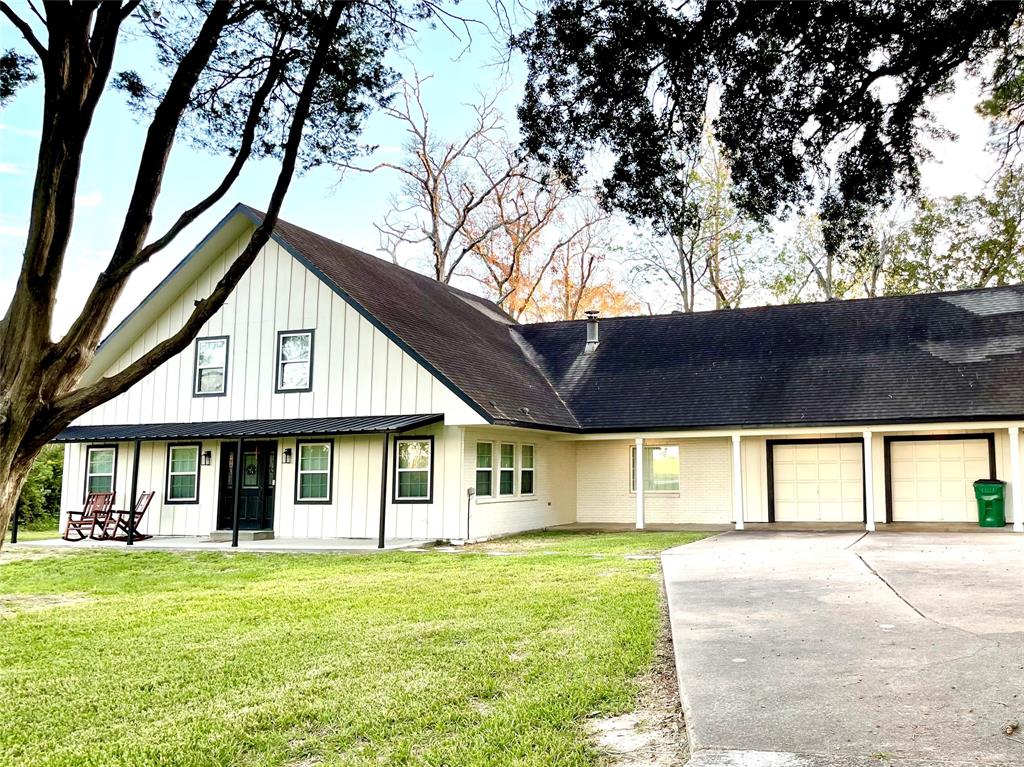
column 250, row 472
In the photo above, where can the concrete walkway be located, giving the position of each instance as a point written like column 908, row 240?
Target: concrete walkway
column 808, row 649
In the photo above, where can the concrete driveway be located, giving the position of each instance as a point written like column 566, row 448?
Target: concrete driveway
column 805, row 649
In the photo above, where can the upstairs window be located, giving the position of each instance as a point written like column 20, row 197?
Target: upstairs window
column 526, row 470
column 414, row 468
column 661, row 469
column 294, row 360
column 211, row 367
column 484, row 469
column 100, row 467
column 507, row 470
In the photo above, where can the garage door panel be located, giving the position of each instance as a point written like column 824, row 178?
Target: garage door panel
column 806, row 471
column 976, row 449
column 818, row 482
column 785, row 471
column 829, row 472
column 931, row 480
column 977, row 470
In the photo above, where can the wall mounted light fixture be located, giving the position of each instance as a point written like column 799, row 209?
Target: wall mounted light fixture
column 207, row 458
column 286, row 456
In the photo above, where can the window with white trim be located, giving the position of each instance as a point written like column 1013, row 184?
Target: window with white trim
column 211, row 366
column 100, row 465
column 294, row 360
column 507, row 469
column 313, row 472
column 661, row 469
column 526, row 469
column 413, row 469
column 183, row 473
column 484, row 469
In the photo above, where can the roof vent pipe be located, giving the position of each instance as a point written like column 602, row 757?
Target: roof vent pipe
column 593, row 337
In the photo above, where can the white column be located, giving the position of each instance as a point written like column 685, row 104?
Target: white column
column 638, row 478
column 737, row 482
column 869, row 484
column 1016, row 480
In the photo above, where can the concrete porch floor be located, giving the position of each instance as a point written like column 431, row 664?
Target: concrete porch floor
column 787, row 527
column 273, row 546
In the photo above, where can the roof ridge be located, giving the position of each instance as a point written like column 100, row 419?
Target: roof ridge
column 783, row 307
column 390, row 264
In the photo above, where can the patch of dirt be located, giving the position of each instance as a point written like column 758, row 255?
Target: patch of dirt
column 653, row 734
column 12, row 605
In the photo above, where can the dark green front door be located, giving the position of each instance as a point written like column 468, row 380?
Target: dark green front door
column 256, row 499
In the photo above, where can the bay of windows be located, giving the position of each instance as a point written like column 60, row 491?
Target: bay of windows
column 505, row 469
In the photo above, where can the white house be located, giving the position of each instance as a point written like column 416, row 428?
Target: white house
column 366, row 401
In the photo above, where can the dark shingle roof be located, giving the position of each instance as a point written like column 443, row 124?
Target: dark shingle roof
column 948, row 356
column 462, row 338
column 268, row 427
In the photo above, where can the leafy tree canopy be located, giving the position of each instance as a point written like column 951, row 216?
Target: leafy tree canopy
column 808, row 95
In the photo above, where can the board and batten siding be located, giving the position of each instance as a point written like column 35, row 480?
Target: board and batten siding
column 357, row 369
column 705, row 486
column 553, row 503
column 354, row 510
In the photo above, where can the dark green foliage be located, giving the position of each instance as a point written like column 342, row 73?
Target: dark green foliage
column 39, row 504
column 15, row 71
column 809, row 95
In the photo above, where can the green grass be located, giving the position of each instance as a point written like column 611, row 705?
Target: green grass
column 32, row 535
column 392, row 659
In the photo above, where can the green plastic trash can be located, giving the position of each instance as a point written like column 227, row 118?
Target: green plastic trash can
column 991, row 495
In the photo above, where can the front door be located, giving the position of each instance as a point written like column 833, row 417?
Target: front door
column 256, row 499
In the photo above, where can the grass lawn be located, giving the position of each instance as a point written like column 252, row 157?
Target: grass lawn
column 32, row 535
column 109, row 658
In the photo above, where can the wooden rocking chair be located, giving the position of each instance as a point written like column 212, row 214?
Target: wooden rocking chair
column 115, row 527
column 95, row 511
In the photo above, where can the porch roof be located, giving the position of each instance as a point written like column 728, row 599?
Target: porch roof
column 274, row 427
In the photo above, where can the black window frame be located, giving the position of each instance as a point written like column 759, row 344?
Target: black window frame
column 168, row 501
column 195, row 367
column 85, row 474
column 330, row 472
column 478, row 469
column 278, row 364
column 532, row 469
column 394, row 470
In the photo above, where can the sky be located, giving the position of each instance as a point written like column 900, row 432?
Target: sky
column 343, row 211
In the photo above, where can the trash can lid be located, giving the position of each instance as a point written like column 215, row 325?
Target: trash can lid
column 989, row 482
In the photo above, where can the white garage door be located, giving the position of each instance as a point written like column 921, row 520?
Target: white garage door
column 932, row 481
column 818, row 482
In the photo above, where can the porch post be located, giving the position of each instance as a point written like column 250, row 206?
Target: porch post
column 737, row 482
column 1016, row 480
column 638, row 479
column 383, row 488
column 134, row 487
column 869, row 484
column 237, row 499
